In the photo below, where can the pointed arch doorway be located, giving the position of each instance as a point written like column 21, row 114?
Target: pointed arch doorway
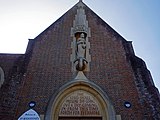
column 80, row 100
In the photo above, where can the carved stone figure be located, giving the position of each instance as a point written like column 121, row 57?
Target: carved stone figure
column 81, row 53
column 81, row 46
column 80, row 32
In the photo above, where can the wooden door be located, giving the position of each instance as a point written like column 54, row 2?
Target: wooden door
column 80, row 118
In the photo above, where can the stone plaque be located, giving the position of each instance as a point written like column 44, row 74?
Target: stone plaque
column 79, row 103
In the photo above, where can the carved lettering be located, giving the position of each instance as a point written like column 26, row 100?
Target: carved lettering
column 79, row 103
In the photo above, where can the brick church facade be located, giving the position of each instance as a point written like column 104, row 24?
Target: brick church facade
column 79, row 68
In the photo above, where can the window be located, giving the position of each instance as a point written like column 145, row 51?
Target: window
column 1, row 77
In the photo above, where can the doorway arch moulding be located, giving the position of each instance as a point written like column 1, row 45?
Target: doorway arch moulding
column 71, row 89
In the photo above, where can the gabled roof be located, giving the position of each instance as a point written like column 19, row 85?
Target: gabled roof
column 72, row 12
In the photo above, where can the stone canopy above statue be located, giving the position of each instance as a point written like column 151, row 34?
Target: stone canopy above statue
column 80, row 24
column 80, row 32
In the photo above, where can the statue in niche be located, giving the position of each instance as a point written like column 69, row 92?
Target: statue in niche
column 81, row 53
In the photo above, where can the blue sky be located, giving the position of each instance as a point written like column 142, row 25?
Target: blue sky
column 135, row 20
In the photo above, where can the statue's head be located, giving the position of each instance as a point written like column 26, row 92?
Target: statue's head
column 82, row 35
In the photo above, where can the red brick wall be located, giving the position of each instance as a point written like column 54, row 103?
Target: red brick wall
column 49, row 66
column 11, row 65
column 7, row 61
column 110, row 68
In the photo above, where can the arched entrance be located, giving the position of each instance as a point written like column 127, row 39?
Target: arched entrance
column 80, row 100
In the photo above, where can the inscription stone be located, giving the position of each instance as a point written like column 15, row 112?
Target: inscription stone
column 79, row 103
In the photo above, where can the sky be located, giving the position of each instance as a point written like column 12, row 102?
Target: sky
column 136, row 20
